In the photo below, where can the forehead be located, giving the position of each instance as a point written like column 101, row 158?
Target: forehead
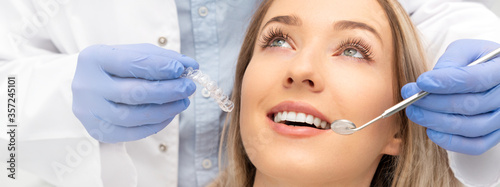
column 327, row 12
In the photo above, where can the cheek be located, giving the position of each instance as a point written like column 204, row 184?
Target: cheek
column 252, row 88
column 260, row 79
column 361, row 93
column 257, row 82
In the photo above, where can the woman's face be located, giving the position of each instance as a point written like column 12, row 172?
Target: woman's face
column 319, row 61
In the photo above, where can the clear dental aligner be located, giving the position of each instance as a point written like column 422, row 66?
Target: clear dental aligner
column 196, row 75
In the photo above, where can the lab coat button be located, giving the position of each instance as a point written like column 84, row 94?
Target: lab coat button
column 203, row 11
column 163, row 148
column 205, row 93
column 162, row 41
column 207, row 164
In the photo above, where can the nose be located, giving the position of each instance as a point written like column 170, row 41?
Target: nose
column 304, row 72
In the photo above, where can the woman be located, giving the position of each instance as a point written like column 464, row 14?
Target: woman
column 305, row 64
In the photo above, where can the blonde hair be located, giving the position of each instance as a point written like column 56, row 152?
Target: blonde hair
column 420, row 163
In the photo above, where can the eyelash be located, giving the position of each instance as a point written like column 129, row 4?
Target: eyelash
column 358, row 44
column 355, row 43
column 271, row 35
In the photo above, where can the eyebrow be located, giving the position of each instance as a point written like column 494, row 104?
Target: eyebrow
column 346, row 25
column 288, row 20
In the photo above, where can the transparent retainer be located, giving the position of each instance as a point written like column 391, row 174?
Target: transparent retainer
column 215, row 92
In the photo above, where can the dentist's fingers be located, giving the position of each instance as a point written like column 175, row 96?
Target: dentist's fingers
column 111, row 133
column 471, row 146
column 465, row 104
column 131, row 61
column 139, row 91
column 462, row 52
column 451, row 76
column 467, row 126
column 138, row 115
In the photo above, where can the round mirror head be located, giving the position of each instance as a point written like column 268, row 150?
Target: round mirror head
column 343, row 126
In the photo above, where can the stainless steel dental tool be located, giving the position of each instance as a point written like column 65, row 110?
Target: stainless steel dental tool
column 343, row 126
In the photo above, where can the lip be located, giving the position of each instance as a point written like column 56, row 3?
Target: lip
column 296, row 131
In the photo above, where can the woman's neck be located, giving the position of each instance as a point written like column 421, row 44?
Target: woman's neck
column 262, row 180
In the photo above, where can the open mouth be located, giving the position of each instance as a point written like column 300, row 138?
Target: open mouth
column 292, row 118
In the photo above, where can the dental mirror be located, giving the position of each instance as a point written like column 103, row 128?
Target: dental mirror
column 343, row 126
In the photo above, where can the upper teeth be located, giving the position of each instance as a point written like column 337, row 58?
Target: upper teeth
column 299, row 117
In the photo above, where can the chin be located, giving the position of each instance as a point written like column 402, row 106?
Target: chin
column 297, row 166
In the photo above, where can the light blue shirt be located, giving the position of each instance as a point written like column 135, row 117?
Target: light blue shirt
column 212, row 33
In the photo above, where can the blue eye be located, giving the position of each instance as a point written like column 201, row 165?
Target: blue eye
column 280, row 42
column 352, row 53
column 355, row 48
column 275, row 37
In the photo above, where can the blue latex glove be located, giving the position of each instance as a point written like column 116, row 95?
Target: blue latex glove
column 462, row 113
column 128, row 92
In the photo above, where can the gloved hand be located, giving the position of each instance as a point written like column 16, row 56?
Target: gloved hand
column 462, row 113
column 128, row 92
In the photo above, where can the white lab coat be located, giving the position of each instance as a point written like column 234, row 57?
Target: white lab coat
column 41, row 45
